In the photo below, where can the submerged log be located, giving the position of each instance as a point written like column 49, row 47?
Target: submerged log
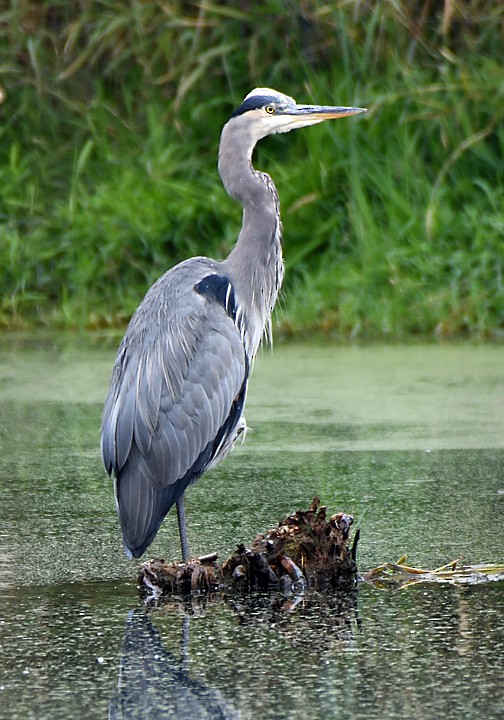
column 305, row 550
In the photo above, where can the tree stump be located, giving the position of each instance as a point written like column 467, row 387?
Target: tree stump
column 306, row 550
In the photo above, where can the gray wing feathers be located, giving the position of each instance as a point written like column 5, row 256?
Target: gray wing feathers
column 176, row 378
column 118, row 418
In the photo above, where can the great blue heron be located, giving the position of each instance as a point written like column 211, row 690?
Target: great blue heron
column 177, row 394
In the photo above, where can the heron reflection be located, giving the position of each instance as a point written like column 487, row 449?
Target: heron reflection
column 156, row 684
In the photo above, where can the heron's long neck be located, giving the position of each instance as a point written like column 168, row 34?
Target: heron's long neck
column 255, row 264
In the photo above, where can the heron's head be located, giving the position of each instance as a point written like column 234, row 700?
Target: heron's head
column 265, row 112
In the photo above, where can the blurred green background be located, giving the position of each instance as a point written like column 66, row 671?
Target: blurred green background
column 110, row 119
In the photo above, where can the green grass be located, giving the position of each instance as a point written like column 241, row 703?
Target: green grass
column 393, row 222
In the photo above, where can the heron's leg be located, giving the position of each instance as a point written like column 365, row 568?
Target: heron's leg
column 182, row 528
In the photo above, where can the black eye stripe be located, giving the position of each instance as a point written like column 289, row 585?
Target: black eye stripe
column 253, row 103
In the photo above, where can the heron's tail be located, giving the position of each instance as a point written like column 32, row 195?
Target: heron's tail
column 142, row 506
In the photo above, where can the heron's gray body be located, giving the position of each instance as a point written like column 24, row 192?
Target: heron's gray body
column 177, row 394
column 175, row 405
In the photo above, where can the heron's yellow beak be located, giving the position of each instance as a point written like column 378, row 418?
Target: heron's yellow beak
column 322, row 112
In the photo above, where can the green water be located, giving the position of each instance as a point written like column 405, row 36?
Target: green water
column 408, row 439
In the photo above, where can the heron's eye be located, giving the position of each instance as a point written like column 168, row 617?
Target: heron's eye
column 270, row 109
